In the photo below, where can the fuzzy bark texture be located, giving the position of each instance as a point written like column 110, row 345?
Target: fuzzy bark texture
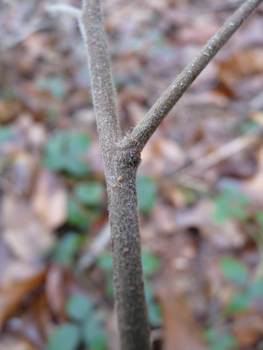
column 128, row 279
column 120, row 169
column 121, row 158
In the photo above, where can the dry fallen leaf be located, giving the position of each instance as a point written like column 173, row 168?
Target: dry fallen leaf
column 10, row 342
column 50, row 200
column 56, row 290
column 242, row 64
column 181, row 332
column 12, row 296
column 9, row 110
column 227, row 235
column 248, row 329
column 22, row 174
column 26, row 236
column 254, row 186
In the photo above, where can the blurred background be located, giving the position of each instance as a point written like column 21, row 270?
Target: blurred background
column 200, row 184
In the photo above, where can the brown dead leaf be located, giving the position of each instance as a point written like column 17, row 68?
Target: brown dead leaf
column 227, row 235
column 12, row 295
column 135, row 111
column 254, row 186
column 9, row 110
column 36, row 43
column 242, row 64
column 25, row 235
column 10, row 342
column 37, row 101
column 50, row 200
column 22, row 174
column 34, row 322
column 197, row 35
column 56, row 291
column 181, row 332
column 162, row 156
column 248, row 330
column 257, row 116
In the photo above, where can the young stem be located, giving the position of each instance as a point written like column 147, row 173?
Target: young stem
column 120, row 167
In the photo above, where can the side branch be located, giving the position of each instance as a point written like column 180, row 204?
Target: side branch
column 147, row 126
column 71, row 10
column 103, row 91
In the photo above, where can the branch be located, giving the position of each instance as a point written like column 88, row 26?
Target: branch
column 71, row 10
column 120, row 169
column 103, row 91
column 147, row 126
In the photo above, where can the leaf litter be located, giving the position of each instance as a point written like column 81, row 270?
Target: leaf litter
column 53, row 202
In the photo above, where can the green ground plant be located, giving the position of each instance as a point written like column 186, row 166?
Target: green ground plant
column 232, row 204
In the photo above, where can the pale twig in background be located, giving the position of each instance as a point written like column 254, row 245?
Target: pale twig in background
column 71, row 10
column 95, row 249
column 226, row 151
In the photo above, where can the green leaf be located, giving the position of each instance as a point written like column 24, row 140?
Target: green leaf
column 148, row 292
column 255, row 289
column 189, row 195
column 94, row 334
column 79, row 307
column 248, row 126
column 259, row 219
column 5, row 133
column 231, row 204
column 65, row 337
column 67, row 248
column 77, row 215
column 211, row 334
column 78, row 143
column 240, row 302
column 55, row 85
column 147, row 194
column 104, row 261
column 65, row 152
column 150, row 263
column 110, row 286
column 155, row 314
column 234, row 271
column 55, row 157
column 220, row 340
column 89, row 193
column 75, row 166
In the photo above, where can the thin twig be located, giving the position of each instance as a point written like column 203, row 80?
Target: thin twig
column 94, row 250
column 226, row 151
column 71, row 10
column 147, row 126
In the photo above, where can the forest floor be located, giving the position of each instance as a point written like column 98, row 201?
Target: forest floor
column 200, row 184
